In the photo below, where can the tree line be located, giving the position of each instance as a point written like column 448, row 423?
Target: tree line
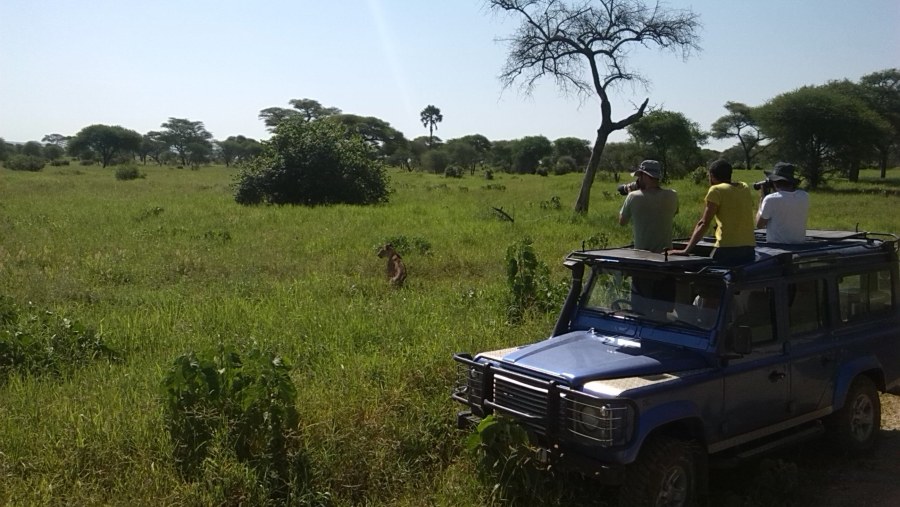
column 835, row 128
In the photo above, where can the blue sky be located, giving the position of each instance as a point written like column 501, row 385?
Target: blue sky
column 68, row 64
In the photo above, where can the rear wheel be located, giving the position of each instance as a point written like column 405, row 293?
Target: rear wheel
column 666, row 474
column 855, row 426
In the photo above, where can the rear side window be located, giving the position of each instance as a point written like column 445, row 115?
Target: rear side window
column 754, row 308
column 864, row 294
column 806, row 306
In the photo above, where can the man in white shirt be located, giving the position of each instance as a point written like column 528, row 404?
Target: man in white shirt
column 783, row 212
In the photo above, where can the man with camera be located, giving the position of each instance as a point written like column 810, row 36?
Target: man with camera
column 651, row 208
column 783, row 208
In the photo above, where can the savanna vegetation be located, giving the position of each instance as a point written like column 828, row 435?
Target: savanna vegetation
column 157, row 310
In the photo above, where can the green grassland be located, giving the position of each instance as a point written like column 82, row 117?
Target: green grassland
column 170, row 263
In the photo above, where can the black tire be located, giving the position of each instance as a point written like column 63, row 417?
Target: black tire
column 666, row 474
column 854, row 428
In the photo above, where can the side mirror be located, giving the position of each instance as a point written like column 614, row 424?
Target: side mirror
column 740, row 340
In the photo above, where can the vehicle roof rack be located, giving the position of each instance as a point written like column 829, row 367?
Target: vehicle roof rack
column 821, row 247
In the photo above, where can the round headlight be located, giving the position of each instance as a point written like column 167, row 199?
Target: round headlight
column 592, row 416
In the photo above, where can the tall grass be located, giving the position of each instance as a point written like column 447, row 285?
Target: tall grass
column 170, row 263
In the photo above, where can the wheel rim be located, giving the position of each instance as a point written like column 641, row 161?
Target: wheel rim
column 673, row 491
column 862, row 418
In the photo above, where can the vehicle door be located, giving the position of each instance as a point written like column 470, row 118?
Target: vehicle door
column 755, row 386
column 811, row 346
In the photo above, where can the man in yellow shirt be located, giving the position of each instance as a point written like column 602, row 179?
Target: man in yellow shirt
column 731, row 204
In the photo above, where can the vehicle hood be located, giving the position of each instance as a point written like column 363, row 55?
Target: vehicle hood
column 583, row 356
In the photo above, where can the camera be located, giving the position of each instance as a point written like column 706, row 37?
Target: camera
column 626, row 188
column 763, row 185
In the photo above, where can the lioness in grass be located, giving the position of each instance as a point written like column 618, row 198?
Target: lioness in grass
column 396, row 271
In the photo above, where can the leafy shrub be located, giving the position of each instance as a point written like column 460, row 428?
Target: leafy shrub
column 404, row 244
column 488, row 174
column 25, row 163
column 435, row 161
column 38, row 342
column 241, row 406
column 699, row 176
column 529, row 283
column 311, row 163
column 565, row 165
column 129, row 172
column 59, row 162
column 541, row 171
column 509, row 464
column 552, row 203
column 453, row 171
column 598, row 241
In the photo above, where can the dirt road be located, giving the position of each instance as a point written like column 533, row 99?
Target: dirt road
column 812, row 475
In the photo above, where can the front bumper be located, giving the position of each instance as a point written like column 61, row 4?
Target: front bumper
column 572, row 428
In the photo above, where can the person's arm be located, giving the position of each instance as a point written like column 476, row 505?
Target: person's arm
column 708, row 214
column 760, row 220
column 625, row 212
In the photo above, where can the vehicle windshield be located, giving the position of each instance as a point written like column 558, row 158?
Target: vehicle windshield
column 663, row 298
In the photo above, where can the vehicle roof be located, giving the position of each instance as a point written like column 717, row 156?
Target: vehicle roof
column 821, row 246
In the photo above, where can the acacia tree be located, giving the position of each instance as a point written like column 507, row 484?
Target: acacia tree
column 238, row 149
column 528, row 152
column 273, row 116
column 310, row 109
column 740, row 124
column 189, row 139
column 671, row 138
column 881, row 90
column 384, row 139
column 153, row 146
column 584, row 46
column 578, row 149
column 104, row 141
column 307, row 109
column 430, row 117
column 819, row 127
column 56, row 140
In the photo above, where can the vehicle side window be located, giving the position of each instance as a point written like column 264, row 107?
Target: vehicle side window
column 806, row 306
column 755, row 309
column 864, row 294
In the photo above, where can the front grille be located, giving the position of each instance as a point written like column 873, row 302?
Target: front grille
column 521, row 398
column 546, row 408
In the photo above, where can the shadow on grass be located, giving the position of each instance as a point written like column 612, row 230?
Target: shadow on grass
column 813, row 475
column 808, row 475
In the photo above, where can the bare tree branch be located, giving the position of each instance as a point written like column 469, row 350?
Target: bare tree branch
column 584, row 46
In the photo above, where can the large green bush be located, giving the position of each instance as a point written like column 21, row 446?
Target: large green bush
column 315, row 162
column 25, row 163
column 129, row 172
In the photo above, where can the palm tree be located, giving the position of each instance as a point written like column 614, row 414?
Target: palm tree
column 431, row 116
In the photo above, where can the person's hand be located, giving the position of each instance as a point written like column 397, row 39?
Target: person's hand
column 678, row 252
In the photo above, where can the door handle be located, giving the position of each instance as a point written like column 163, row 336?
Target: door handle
column 776, row 376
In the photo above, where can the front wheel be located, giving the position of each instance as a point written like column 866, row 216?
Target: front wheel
column 666, row 474
column 855, row 426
